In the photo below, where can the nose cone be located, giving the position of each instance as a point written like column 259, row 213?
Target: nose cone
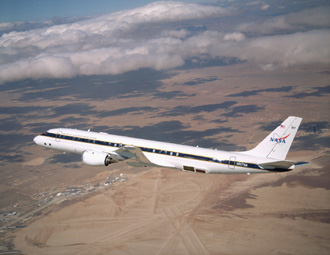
column 36, row 140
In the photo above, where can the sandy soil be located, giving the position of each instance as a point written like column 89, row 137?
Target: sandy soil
column 171, row 212
column 161, row 211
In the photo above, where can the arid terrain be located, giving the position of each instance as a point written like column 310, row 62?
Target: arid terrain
column 163, row 211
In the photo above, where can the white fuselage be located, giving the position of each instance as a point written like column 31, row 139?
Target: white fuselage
column 186, row 158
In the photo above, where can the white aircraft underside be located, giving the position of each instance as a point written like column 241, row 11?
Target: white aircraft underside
column 102, row 149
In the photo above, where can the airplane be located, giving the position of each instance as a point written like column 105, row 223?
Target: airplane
column 102, row 149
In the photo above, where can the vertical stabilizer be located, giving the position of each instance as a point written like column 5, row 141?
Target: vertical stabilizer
column 277, row 144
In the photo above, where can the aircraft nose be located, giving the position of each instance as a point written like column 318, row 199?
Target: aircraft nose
column 36, row 139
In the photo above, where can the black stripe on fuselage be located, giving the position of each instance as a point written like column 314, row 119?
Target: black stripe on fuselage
column 162, row 152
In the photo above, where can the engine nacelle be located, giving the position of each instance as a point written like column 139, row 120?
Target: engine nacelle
column 96, row 158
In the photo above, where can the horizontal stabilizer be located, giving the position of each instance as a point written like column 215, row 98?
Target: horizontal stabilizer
column 282, row 164
column 301, row 163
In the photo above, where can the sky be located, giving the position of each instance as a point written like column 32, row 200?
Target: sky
column 159, row 35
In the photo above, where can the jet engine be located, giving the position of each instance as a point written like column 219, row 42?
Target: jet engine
column 96, row 158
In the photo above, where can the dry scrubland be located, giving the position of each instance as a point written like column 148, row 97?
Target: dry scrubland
column 162, row 211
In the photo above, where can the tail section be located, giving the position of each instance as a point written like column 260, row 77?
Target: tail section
column 277, row 144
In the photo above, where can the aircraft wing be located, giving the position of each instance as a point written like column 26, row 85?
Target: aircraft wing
column 134, row 156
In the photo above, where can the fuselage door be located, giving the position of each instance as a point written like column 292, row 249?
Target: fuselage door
column 232, row 161
column 58, row 136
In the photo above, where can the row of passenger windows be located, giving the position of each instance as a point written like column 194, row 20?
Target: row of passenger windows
column 170, row 153
column 79, row 139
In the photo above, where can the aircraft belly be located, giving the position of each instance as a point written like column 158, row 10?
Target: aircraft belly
column 74, row 147
column 161, row 160
column 67, row 146
column 200, row 166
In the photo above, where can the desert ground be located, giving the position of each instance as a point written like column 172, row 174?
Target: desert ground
column 158, row 210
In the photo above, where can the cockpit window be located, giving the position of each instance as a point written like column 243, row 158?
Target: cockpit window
column 49, row 134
